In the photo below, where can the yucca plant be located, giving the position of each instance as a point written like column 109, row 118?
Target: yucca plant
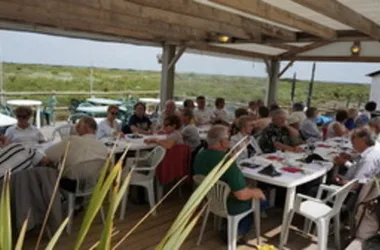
column 110, row 184
column 187, row 218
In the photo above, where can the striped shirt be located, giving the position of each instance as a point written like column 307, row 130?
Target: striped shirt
column 15, row 157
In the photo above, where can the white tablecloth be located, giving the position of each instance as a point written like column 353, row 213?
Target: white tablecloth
column 6, row 121
column 134, row 144
column 96, row 109
column 104, row 101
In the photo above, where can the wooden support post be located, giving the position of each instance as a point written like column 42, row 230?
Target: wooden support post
column 273, row 69
column 311, row 84
column 167, row 74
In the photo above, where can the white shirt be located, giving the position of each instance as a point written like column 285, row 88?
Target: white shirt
column 221, row 114
column 300, row 115
column 367, row 167
column 105, row 129
column 15, row 157
column 29, row 137
column 204, row 116
column 244, row 155
column 82, row 148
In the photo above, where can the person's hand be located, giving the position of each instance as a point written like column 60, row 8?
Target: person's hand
column 297, row 149
column 345, row 156
column 258, row 194
column 150, row 140
column 4, row 140
column 44, row 161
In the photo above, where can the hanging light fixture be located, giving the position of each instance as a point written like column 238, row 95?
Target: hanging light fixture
column 355, row 48
column 224, row 39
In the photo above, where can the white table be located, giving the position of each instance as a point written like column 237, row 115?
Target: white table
column 96, row 109
column 6, row 121
column 134, row 144
column 30, row 103
column 104, row 101
column 287, row 180
column 157, row 101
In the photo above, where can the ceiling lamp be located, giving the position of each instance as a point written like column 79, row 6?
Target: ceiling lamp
column 224, row 39
column 355, row 48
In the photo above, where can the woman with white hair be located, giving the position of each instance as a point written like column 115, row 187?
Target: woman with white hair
column 245, row 126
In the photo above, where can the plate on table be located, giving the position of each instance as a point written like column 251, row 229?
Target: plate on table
column 134, row 136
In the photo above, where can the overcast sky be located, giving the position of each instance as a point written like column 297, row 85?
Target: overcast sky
column 24, row 47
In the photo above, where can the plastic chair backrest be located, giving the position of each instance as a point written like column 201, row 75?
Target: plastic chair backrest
column 63, row 131
column 75, row 103
column 154, row 159
column 339, row 196
column 5, row 110
column 88, row 175
column 75, row 117
column 217, row 196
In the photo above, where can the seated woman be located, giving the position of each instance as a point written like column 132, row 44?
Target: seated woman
column 245, row 127
column 337, row 128
column 109, row 127
column 139, row 122
column 238, row 113
column 263, row 120
column 23, row 132
column 172, row 125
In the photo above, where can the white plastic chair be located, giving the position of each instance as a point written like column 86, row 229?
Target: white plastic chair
column 321, row 213
column 144, row 175
column 217, row 204
column 63, row 131
column 85, row 183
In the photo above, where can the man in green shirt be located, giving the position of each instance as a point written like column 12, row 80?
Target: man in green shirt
column 241, row 195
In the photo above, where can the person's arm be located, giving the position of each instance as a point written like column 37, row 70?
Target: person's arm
column 140, row 131
column 56, row 152
column 168, row 144
column 249, row 194
column 338, row 130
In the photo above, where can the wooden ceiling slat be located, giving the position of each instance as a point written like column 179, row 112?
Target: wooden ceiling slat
column 340, row 12
column 69, row 15
column 191, row 8
column 289, row 55
column 269, row 12
column 368, row 59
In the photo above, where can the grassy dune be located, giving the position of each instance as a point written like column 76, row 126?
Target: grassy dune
column 27, row 77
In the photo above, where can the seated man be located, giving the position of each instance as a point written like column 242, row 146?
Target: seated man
column 241, row 197
column 374, row 124
column 263, row 120
column 202, row 114
column 309, row 128
column 367, row 164
column 83, row 147
column 169, row 110
column 15, row 157
column 190, row 133
column 298, row 111
column 277, row 135
column 220, row 113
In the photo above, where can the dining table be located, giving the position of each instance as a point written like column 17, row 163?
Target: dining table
column 292, row 169
column 29, row 103
column 97, row 110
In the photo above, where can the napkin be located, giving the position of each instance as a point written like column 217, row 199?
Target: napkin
column 291, row 169
column 275, row 158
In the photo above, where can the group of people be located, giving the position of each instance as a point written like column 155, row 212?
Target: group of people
column 266, row 129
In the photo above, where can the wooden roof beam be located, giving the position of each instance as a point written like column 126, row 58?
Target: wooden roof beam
column 267, row 11
column 71, row 16
column 368, row 59
column 341, row 13
column 191, row 8
column 293, row 53
column 224, row 50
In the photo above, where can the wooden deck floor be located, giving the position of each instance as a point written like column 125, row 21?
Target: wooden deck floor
column 153, row 229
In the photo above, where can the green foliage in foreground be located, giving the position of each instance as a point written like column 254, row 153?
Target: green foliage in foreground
column 27, row 77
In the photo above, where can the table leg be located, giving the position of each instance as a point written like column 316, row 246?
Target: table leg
column 38, row 117
column 289, row 202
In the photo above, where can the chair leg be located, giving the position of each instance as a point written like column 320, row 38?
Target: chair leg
column 257, row 214
column 286, row 229
column 123, row 206
column 151, row 198
column 70, row 211
column 232, row 232
column 159, row 190
column 307, row 226
column 323, row 233
column 203, row 226
column 337, row 231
